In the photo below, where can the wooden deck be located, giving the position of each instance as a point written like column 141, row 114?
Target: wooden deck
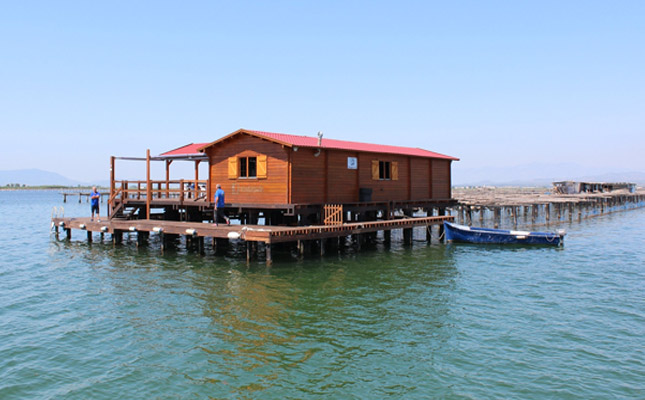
column 268, row 234
column 252, row 233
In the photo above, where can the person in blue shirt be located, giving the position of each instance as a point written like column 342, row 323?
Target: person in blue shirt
column 219, row 206
column 94, row 201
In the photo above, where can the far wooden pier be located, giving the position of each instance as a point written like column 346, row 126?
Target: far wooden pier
column 510, row 207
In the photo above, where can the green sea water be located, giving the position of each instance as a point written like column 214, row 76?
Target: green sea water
column 89, row 321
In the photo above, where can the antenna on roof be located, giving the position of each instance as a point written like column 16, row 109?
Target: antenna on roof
column 320, row 134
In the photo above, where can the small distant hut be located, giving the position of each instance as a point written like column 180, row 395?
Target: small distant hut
column 573, row 187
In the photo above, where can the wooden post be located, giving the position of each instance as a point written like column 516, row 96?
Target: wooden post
column 196, row 188
column 168, row 162
column 248, row 252
column 200, row 244
column 267, row 250
column 89, row 236
column 547, row 212
column 112, row 186
column 514, row 215
column 322, row 247
column 117, row 237
column 181, row 191
column 442, row 212
column 68, row 232
column 497, row 216
column 407, row 236
column 148, row 188
column 142, row 238
column 162, row 240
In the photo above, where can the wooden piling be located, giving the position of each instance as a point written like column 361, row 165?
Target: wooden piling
column 514, row 215
column 407, row 236
column 547, row 213
column 116, row 237
column 267, row 250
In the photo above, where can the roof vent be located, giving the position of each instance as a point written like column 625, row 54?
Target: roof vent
column 320, row 138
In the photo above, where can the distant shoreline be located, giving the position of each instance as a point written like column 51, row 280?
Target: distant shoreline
column 73, row 189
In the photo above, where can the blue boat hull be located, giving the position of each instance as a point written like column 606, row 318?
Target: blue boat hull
column 468, row 234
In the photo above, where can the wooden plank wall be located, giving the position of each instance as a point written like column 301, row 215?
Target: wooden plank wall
column 342, row 183
column 307, row 176
column 441, row 179
column 324, row 178
column 421, row 178
column 272, row 190
column 384, row 190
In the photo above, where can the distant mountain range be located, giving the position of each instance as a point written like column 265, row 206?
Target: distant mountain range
column 540, row 174
column 38, row 177
column 536, row 174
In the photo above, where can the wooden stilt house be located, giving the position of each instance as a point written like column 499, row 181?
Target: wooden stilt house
column 263, row 168
column 287, row 177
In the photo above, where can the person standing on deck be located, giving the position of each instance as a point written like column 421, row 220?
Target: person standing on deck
column 219, row 205
column 94, row 197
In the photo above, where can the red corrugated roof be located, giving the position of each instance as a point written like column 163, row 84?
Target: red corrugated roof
column 187, row 150
column 308, row 141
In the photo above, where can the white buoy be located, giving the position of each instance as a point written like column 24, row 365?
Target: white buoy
column 157, row 229
column 132, row 229
column 82, row 226
column 233, row 235
column 191, row 231
column 104, row 229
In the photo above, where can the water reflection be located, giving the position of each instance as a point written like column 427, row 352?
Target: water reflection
column 317, row 326
column 329, row 316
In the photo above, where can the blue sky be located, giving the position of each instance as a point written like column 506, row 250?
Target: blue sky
column 497, row 83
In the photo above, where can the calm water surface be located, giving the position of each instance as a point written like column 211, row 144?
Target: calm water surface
column 81, row 321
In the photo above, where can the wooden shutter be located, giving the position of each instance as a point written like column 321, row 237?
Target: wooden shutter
column 232, row 168
column 262, row 167
column 375, row 175
column 395, row 170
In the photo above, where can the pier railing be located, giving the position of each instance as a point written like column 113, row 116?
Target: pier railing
column 181, row 190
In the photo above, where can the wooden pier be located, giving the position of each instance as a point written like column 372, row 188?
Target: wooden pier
column 267, row 234
column 513, row 207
